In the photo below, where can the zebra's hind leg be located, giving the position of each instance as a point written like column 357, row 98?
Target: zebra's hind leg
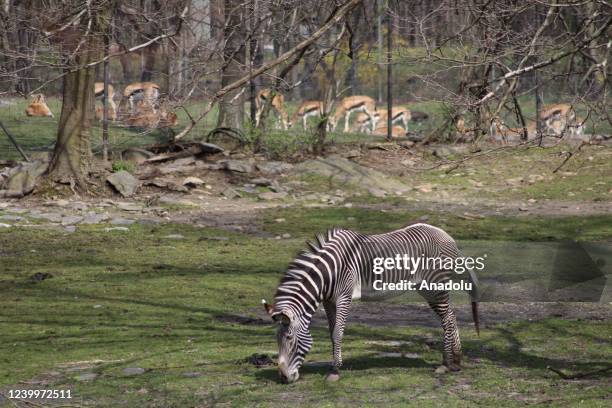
column 452, row 344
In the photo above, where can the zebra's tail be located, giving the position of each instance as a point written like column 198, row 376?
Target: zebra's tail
column 474, row 295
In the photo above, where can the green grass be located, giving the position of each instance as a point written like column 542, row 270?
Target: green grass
column 136, row 299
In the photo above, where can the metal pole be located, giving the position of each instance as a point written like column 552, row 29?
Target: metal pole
column 538, row 89
column 379, row 58
column 389, row 73
column 105, row 100
column 12, row 139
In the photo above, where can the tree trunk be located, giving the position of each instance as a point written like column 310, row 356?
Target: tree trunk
column 72, row 155
column 231, row 108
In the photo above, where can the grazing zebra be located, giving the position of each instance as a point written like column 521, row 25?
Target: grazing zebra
column 339, row 268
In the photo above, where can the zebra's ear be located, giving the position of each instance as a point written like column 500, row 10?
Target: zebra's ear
column 269, row 309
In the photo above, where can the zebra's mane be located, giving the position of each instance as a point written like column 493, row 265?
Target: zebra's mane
column 314, row 247
column 319, row 242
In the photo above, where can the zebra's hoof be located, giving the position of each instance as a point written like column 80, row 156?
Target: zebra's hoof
column 332, row 376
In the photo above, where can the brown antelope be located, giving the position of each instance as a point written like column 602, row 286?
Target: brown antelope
column 396, row 131
column 38, row 107
column 306, row 110
column 112, row 107
column 398, row 114
column 504, row 134
column 278, row 104
column 145, row 116
column 146, row 91
column 558, row 117
column 362, row 123
column 352, row 104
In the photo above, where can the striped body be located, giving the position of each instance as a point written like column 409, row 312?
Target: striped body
column 339, row 268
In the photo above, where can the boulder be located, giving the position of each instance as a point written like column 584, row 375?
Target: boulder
column 136, row 155
column 238, row 166
column 20, row 180
column 193, row 182
column 270, row 195
column 274, row 167
column 124, row 183
column 341, row 172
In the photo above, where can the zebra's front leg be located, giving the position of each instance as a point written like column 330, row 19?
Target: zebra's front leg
column 452, row 344
column 337, row 312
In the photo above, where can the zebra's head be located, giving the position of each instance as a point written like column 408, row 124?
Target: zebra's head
column 294, row 342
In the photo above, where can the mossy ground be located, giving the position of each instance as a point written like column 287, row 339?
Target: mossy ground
column 171, row 306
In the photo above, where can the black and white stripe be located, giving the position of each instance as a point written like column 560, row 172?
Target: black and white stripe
column 339, row 268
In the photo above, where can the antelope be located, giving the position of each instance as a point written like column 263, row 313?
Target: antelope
column 562, row 113
column 577, row 129
column 147, row 117
column 38, row 107
column 278, row 104
column 352, row 104
column 504, row 134
column 146, row 91
column 306, row 110
column 398, row 114
column 362, row 121
column 396, row 131
column 112, row 107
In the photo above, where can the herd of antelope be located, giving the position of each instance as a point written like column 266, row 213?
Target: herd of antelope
column 367, row 120
column 140, row 106
column 557, row 120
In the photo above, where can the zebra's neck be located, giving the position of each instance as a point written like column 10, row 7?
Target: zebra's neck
column 312, row 276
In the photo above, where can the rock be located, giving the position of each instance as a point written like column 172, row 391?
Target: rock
column 408, row 162
column 342, row 172
column 116, row 229
column 352, row 154
column 8, row 217
column 70, row 229
column 273, row 167
column 168, row 184
column 261, row 181
column 133, row 371
column 177, row 201
column 86, row 377
column 376, row 192
column 2, row 225
column 279, row 220
column 286, row 235
column 425, row 188
column 238, row 166
column 192, row 374
column 52, row 217
column 231, row 193
column 136, row 155
column 40, row 276
column 515, row 181
column 21, row 179
column 332, row 376
column 131, row 207
column 259, row 360
column 124, row 183
column 193, row 182
column 269, row 195
column 94, row 218
column 174, row 236
column 249, row 188
column 71, row 219
column 406, row 144
column 121, row 221
column 441, row 370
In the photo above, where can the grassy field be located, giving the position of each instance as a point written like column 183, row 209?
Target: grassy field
column 186, row 311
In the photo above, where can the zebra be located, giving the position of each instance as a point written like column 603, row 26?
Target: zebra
column 338, row 268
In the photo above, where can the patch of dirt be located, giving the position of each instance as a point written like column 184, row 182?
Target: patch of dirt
column 381, row 314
